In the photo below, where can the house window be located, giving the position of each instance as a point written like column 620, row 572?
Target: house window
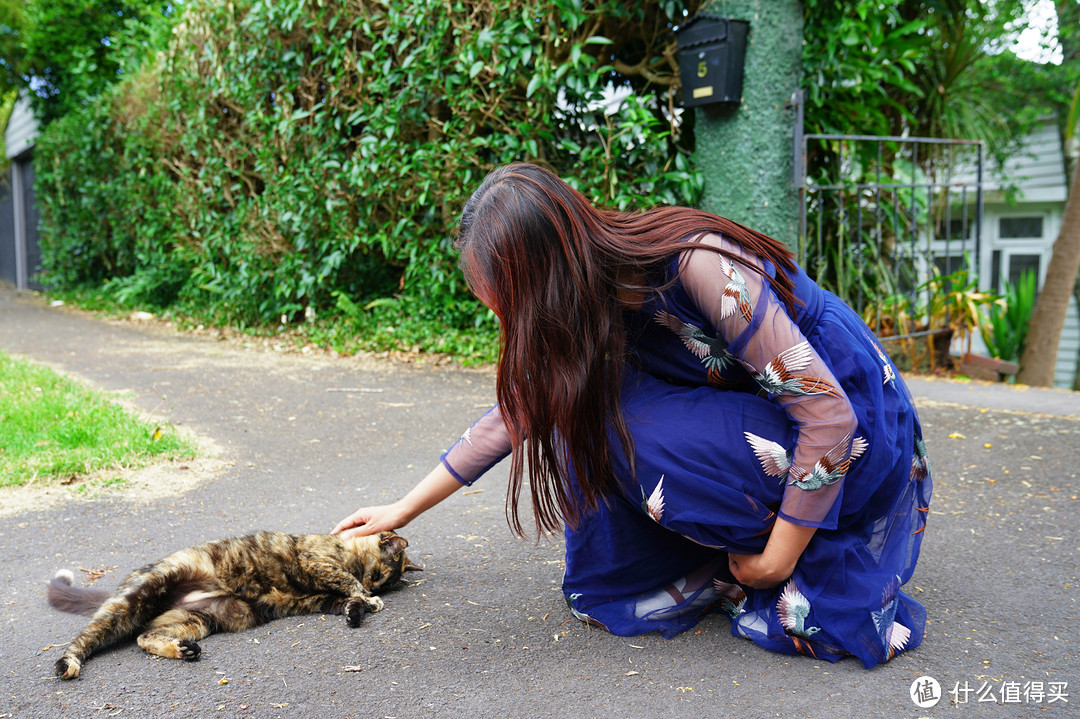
column 958, row 228
column 1019, row 264
column 1016, row 266
column 948, row 264
column 1021, row 228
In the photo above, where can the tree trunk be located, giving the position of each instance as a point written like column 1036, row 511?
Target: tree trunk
column 752, row 141
column 1068, row 22
column 1076, row 372
column 1048, row 318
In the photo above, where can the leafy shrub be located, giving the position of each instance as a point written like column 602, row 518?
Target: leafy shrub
column 277, row 157
column 107, row 209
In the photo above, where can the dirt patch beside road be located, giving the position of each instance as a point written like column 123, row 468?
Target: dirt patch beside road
column 143, row 484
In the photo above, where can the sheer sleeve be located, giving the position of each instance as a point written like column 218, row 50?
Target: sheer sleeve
column 754, row 321
column 483, row 445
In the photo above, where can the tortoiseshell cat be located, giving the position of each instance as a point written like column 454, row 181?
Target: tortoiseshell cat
column 228, row 585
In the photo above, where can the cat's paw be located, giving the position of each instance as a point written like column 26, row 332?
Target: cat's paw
column 357, row 607
column 188, row 650
column 67, row 667
column 354, row 612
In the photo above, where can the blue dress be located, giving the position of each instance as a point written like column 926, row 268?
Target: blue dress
column 739, row 414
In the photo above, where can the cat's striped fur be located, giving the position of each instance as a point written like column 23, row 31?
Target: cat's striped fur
column 228, row 585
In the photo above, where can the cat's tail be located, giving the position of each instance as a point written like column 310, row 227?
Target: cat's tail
column 77, row 600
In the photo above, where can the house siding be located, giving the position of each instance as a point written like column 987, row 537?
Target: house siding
column 21, row 131
column 1038, row 167
column 1036, row 170
column 1068, row 349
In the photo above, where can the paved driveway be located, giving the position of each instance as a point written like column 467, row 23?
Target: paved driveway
column 301, row 441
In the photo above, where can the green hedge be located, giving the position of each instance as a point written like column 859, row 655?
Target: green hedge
column 288, row 156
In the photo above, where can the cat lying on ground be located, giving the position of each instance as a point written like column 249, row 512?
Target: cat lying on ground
column 228, row 585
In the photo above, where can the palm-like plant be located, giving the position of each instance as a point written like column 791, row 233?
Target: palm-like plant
column 955, row 302
column 1007, row 317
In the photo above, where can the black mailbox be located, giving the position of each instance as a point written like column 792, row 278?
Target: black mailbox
column 711, row 54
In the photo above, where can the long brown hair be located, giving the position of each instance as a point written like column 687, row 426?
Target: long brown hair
column 550, row 265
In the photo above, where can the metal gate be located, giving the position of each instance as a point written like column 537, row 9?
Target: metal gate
column 893, row 225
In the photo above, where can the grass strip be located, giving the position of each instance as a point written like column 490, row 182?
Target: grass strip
column 53, row 428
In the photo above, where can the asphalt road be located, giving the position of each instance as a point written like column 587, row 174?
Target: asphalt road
column 300, row 441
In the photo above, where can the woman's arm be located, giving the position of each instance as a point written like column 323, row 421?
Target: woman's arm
column 483, row 445
column 764, row 338
column 432, row 489
column 777, row 562
column 758, row 331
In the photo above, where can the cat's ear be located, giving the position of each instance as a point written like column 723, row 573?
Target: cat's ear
column 410, row 567
column 392, row 543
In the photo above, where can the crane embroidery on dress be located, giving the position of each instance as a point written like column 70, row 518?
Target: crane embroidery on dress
column 894, row 635
column 736, row 295
column 467, row 437
column 778, row 376
column 775, row 459
column 830, row 468
column 732, row 598
column 920, row 463
column 582, row 616
column 654, row 504
column 886, row 366
column 793, row 609
column 712, row 351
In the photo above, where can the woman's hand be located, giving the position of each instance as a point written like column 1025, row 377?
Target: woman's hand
column 372, row 520
column 770, row 568
column 434, row 488
column 755, row 570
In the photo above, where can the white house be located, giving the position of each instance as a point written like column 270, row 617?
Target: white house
column 1019, row 235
